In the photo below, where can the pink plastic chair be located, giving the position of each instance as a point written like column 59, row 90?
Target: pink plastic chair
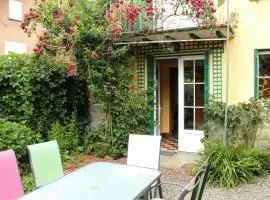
column 10, row 180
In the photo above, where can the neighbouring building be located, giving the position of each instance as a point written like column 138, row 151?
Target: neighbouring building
column 12, row 37
column 188, row 65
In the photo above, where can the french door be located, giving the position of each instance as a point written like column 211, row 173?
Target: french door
column 191, row 103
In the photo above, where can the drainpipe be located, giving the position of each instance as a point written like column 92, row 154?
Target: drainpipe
column 225, row 136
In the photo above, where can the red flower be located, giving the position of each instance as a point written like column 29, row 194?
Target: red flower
column 72, row 71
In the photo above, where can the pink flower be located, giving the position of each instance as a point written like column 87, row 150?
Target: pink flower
column 71, row 29
column 94, row 54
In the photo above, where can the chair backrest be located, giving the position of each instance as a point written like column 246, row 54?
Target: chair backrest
column 45, row 162
column 144, row 151
column 198, row 192
column 10, row 181
column 192, row 187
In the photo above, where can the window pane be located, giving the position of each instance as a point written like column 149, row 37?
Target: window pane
column 199, row 94
column 264, row 87
column 199, row 71
column 188, row 122
column 189, row 94
column 188, row 71
column 15, row 10
column 199, row 118
column 264, row 65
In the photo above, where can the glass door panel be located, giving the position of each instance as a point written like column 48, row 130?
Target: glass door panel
column 198, row 118
column 193, row 94
column 188, row 94
column 188, row 124
column 199, row 95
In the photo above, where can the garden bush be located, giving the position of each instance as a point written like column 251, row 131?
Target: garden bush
column 244, row 120
column 16, row 136
column 37, row 92
column 67, row 136
column 234, row 164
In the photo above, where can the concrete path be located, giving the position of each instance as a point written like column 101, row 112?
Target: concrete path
column 175, row 160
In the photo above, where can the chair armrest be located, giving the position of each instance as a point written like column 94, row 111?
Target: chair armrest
column 171, row 183
column 169, row 189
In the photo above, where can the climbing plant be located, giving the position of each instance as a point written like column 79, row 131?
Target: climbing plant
column 78, row 35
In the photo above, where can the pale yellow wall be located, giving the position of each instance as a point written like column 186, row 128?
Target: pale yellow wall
column 253, row 32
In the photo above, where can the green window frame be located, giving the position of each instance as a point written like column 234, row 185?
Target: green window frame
column 206, row 78
column 150, row 89
column 257, row 53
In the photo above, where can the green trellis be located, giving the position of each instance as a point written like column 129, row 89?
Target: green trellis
column 145, row 66
column 215, row 48
column 217, row 72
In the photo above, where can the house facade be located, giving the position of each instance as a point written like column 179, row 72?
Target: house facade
column 12, row 37
column 185, row 65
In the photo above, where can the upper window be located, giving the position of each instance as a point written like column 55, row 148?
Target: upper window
column 15, row 10
column 15, row 47
column 263, row 67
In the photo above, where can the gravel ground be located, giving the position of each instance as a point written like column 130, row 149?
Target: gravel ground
column 255, row 191
column 259, row 190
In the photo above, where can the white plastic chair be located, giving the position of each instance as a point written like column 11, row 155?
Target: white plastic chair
column 144, row 151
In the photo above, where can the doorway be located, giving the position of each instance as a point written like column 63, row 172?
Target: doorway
column 167, row 100
column 180, row 102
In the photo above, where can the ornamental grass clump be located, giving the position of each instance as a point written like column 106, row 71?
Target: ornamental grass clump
column 234, row 165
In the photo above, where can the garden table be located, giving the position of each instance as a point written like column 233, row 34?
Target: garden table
column 98, row 181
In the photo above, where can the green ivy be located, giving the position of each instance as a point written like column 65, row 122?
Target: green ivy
column 125, row 111
column 37, row 92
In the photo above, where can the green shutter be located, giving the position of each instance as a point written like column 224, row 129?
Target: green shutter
column 206, row 78
column 256, row 74
column 150, row 88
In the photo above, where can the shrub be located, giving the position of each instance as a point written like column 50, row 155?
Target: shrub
column 263, row 158
column 28, row 183
column 244, row 119
column 16, row 136
column 35, row 91
column 234, row 164
column 66, row 135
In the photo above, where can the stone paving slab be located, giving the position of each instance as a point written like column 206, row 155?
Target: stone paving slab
column 176, row 160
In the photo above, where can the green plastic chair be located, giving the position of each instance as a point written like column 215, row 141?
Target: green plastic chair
column 46, row 162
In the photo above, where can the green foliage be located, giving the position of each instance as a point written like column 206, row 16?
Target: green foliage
column 263, row 158
column 36, row 92
column 67, row 136
column 28, row 183
column 220, row 2
column 124, row 111
column 244, row 119
column 16, row 136
column 234, row 164
column 15, row 93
